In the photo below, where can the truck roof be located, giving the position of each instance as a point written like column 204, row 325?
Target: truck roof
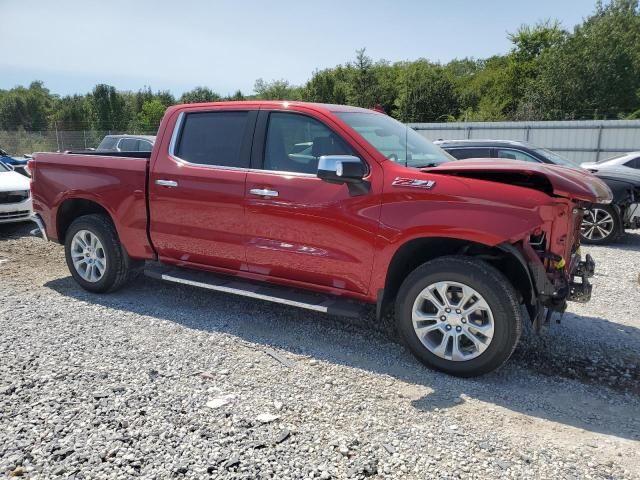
column 278, row 104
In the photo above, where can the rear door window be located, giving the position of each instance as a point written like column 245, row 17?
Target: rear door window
column 462, row 153
column 213, row 138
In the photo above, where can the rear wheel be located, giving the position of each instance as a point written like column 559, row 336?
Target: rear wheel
column 94, row 254
column 601, row 225
column 459, row 315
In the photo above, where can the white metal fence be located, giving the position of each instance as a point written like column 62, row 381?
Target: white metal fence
column 581, row 141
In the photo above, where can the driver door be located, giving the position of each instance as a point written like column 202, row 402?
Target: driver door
column 300, row 228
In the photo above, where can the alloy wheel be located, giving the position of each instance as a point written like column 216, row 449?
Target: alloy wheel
column 597, row 224
column 453, row 321
column 88, row 256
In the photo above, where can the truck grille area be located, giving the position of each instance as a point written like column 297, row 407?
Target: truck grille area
column 13, row 197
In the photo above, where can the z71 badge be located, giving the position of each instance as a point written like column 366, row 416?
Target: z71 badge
column 413, row 182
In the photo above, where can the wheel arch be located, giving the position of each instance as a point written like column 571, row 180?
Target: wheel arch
column 73, row 208
column 413, row 253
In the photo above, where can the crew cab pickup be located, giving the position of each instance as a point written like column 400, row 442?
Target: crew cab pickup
column 329, row 208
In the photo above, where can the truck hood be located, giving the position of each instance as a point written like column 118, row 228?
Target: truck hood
column 576, row 184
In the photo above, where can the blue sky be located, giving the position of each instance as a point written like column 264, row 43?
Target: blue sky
column 71, row 44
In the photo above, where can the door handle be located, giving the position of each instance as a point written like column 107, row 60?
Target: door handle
column 167, row 183
column 263, row 192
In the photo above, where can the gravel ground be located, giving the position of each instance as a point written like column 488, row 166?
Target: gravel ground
column 164, row 381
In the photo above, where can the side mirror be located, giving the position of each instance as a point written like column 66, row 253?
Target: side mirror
column 341, row 169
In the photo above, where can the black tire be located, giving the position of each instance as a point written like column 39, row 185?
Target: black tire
column 596, row 239
column 118, row 264
column 496, row 290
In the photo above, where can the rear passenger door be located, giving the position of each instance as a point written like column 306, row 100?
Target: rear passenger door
column 197, row 189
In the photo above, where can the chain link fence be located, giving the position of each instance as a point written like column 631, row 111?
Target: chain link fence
column 20, row 142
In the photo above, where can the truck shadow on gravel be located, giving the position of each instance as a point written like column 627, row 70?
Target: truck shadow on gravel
column 564, row 383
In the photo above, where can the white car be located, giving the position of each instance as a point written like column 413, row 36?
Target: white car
column 15, row 196
column 630, row 160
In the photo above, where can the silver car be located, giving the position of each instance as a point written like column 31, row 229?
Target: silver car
column 126, row 143
column 631, row 160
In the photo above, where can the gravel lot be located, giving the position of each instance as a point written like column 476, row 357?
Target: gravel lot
column 164, row 381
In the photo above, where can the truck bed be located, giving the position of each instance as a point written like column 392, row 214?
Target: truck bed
column 117, row 183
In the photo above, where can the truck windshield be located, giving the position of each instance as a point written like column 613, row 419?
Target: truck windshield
column 4, row 168
column 395, row 140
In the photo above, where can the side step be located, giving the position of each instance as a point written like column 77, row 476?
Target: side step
column 262, row 291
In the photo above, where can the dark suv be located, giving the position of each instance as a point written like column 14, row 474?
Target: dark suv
column 508, row 149
column 602, row 223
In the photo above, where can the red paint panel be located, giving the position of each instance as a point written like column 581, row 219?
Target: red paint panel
column 313, row 232
column 201, row 221
column 116, row 184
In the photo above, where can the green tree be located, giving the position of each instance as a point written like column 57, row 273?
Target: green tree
column 200, row 95
column 72, row 113
column 362, row 86
column 237, row 96
column 276, row 90
column 148, row 119
column 426, row 93
column 108, row 109
column 26, row 108
column 595, row 73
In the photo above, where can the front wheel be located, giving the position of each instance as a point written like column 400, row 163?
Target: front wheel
column 459, row 315
column 601, row 225
column 94, row 254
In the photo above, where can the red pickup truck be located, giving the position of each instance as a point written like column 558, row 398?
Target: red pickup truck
column 329, row 207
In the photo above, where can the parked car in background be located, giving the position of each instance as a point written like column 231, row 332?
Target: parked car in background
column 329, row 208
column 15, row 196
column 629, row 160
column 126, row 143
column 17, row 164
column 602, row 224
column 507, row 149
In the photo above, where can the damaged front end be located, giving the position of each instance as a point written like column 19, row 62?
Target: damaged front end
column 558, row 272
column 550, row 253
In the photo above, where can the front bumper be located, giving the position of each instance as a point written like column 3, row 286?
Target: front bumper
column 579, row 286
